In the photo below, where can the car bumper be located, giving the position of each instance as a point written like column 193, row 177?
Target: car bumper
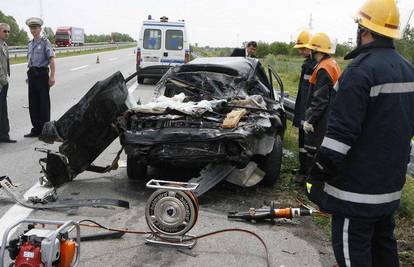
column 156, row 71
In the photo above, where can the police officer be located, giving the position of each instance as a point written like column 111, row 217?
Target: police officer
column 362, row 161
column 324, row 76
column 4, row 84
column 40, row 56
column 299, row 113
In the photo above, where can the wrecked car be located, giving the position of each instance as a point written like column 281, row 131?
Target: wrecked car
column 208, row 111
column 219, row 114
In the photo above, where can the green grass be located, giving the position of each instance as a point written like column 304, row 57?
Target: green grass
column 289, row 70
column 17, row 60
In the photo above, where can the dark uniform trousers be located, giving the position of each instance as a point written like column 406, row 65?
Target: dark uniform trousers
column 4, row 119
column 361, row 165
column 39, row 99
column 364, row 242
column 302, row 152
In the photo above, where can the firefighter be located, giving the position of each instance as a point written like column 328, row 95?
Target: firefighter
column 361, row 165
column 299, row 113
column 324, row 76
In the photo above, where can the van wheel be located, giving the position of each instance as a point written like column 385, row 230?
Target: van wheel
column 271, row 163
column 135, row 169
column 140, row 80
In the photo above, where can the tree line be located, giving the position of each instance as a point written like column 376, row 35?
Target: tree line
column 405, row 46
column 18, row 36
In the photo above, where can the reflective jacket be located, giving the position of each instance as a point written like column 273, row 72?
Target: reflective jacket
column 362, row 161
column 299, row 113
column 319, row 95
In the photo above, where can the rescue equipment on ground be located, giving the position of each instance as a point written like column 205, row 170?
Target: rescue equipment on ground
column 40, row 246
column 171, row 211
column 49, row 201
column 272, row 213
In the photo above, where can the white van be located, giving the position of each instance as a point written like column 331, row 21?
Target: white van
column 161, row 44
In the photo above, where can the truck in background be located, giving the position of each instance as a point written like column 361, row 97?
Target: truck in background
column 69, row 36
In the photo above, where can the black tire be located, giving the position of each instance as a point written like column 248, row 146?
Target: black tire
column 135, row 169
column 140, row 80
column 271, row 164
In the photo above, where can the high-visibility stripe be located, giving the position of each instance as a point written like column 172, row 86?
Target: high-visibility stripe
column 311, row 147
column 302, row 150
column 320, row 166
column 336, row 86
column 392, row 88
column 361, row 198
column 306, row 77
column 345, row 243
column 334, row 145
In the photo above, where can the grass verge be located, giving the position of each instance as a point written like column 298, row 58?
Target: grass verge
column 289, row 70
column 17, row 60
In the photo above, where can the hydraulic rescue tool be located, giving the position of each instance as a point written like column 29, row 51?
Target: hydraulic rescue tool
column 40, row 246
column 270, row 214
column 50, row 200
column 171, row 212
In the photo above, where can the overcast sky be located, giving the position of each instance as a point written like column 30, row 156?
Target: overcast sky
column 209, row 22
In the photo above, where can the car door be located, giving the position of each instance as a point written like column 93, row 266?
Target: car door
column 174, row 53
column 152, row 48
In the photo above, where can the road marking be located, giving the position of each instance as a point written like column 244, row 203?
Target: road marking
column 17, row 212
column 79, row 68
column 132, row 88
column 112, row 59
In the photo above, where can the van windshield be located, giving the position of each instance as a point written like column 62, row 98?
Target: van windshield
column 62, row 36
column 152, row 39
column 174, row 40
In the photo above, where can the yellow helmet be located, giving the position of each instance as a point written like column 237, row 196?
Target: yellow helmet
column 380, row 16
column 303, row 39
column 320, row 42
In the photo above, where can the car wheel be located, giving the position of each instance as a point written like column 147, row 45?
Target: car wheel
column 271, row 163
column 140, row 80
column 135, row 169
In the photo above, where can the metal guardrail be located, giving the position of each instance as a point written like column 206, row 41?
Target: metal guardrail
column 18, row 51
column 290, row 107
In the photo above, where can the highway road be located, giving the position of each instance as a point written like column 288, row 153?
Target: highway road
column 298, row 243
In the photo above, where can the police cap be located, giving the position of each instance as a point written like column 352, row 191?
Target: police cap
column 34, row 22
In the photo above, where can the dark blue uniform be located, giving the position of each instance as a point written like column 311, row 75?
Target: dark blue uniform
column 299, row 113
column 362, row 162
column 39, row 53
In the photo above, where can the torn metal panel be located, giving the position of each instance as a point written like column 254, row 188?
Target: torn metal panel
column 86, row 129
column 246, row 177
column 211, row 175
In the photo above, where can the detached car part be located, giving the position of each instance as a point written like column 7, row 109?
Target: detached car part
column 86, row 129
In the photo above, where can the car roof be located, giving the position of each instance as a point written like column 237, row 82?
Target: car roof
column 243, row 66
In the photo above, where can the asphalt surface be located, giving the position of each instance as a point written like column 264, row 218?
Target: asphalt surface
column 297, row 243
